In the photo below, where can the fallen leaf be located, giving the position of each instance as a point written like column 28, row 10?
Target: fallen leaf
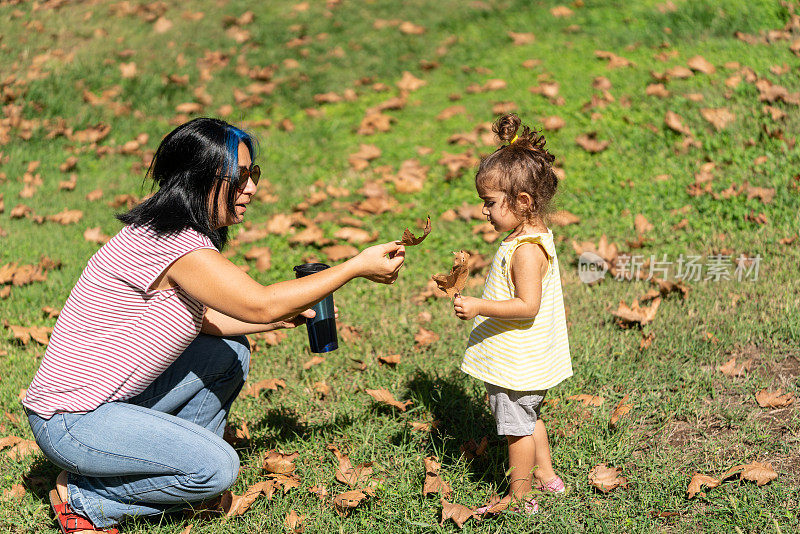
column 278, row 462
column 719, row 117
column 561, row 11
column 774, row 399
column 606, row 478
column 759, row 473
column 619, row 412
column 589, row 400
column 425, row 337
column 263, row 257
column 409, row 82
column 337, row 253
column 675, row 123
column 271, row 384
column 732, row 370
column 235, row 505
column 614, row 61
column 635, row 314
column 454, row 282
column 66, row 217
column 322, row 388
column 357, row 236
column 521, row 38
column 590, row 143
column 409, row 239
column 16, row 492
column 698, row 481
column 383, row 396
column 391, row 359
column 700, row 64
column 344, row 502
column 22, row 449
column 457, row 512
column 641, row 224
column 316, row 360
column 294, row 522
column 95, row 235
column 553, row 123
column 433, row 483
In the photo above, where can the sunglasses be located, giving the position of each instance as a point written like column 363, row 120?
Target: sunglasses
column 253, row 173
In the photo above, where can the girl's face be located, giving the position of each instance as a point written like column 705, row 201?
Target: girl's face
column 496, row 210
column 243, row 197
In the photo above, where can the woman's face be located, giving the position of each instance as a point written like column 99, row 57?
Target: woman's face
column 224, row 217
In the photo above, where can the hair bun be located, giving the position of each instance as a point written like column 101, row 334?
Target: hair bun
column 506, row 127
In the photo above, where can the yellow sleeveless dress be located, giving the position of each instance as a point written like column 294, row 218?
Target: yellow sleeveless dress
column 521, row 354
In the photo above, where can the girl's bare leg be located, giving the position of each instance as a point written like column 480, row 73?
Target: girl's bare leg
column 544, row 464
column 521, row 459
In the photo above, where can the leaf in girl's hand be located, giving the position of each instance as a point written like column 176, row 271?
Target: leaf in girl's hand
column 454, row 282
column 409, row 239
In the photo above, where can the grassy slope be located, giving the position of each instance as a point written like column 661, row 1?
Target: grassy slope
column 687, row 416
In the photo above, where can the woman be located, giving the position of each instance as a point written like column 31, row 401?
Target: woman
column 149, row 352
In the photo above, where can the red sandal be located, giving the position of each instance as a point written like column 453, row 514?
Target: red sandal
column 68, row 521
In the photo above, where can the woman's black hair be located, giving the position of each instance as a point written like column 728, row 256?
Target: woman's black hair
column 188, row 167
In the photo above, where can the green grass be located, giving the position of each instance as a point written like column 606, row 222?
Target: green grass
column 687, row 417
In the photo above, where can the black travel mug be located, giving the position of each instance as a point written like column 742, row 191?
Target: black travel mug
column 322, row 327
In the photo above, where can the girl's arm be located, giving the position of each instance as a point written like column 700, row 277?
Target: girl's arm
column 212, row 279
column 528, row 267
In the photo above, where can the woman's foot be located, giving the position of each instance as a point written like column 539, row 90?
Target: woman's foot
column 65, row 510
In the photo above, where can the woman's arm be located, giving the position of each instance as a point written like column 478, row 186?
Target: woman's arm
column 219, row 324
column 212, row 279
column 528, row 266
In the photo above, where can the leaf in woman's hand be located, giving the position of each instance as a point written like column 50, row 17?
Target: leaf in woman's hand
column 409, row 238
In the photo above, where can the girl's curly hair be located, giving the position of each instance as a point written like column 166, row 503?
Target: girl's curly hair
column 521, row 166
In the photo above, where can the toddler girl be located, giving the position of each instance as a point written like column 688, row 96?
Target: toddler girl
column 518, row 345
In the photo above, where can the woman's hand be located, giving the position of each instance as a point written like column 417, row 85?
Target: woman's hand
column 381, row 263
column 466, row 308
column 297, row 320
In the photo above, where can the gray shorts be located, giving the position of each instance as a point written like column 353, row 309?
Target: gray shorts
column 516, row 412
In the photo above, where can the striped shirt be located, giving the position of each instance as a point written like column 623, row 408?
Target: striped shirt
column 521, row 354
column 115, row 334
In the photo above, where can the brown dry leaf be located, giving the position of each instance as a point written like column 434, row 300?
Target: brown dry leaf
column 409, row 28
column 66, row 217
column 732, row 370
column 366, row 153
column 614, row 61
column 589, row 400
column 641, row 224
column 433, row 483
column 553, row 123
column 95, row 235
column 319, row 490
column 675, row 123
column 561, row 11
column 635, row 314
column 312, row 234
column 279, row 224
column 760, row 473
column 294, row 522
column 390, row 359
column 271, row 384
column 451, row 112
column 356, row 236
column 316, row 360
column 344, row 502
column 285, row 482
column 409, row 239
column 409, row 82
column 263, row 257
column 719, row 117
column 606, row 478
column 700, row 64
column 698, row 481
column 187, row 530
column 590, row 143
column 521, row 38
column 22, row 449
column 235, row 505
column 425, row 337
column 472, row 449
column 322, row 388
column 16, row 493
column 454, row 282
column 337, row 253
column 9, row 441
column 774, row 399
column 619, row 412
column 278, row 462
column 457, row 512
column 383, row 395
column 657, row 89
column 128, row 70
column 563, row 218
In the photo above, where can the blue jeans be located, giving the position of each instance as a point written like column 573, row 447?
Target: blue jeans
column 159, row 450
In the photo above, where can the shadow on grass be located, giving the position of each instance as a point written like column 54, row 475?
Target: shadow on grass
column 461, row 417
column 284, row 425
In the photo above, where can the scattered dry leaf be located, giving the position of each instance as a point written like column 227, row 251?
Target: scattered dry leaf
column 619, row 412
column 383, row 396
column 698, row 481
column 606, row 478
column 774, row 399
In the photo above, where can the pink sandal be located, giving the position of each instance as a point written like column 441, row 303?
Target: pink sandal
column 556, row 485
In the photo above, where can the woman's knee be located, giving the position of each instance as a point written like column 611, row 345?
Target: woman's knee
column 218, row 471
